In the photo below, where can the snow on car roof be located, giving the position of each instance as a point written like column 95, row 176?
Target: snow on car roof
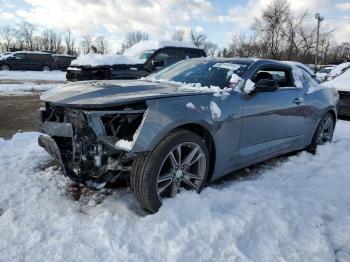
column 337, row 70
column 298, row 64
column 92, row 59
column 6, row 55
column 341, row 82
column 63, row 55
column 145, row 45
column 131, row 55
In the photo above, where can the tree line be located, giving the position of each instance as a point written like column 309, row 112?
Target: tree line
column 279, row 33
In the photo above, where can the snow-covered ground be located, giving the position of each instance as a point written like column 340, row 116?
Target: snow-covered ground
column 296, row 209
column 33, row 75
column 27, row 88
column 29, row 82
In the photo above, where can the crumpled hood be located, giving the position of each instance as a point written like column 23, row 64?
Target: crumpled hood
column 106, row 93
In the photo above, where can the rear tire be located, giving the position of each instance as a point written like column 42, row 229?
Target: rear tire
column 180, row 160
column 323, row 134
column 5, row 67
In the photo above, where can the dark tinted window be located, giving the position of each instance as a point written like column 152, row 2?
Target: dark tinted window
column 39, row 57
column 280, row 75
column 169, row 56
column 20, row 55
column 193, row 53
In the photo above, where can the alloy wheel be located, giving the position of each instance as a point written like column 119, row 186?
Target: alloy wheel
column 5, row 68
column 184, row 167
column 326, row 131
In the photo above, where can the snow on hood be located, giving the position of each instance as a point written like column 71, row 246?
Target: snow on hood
column 197, row 87
column 341, row 82
column 93, row 59
column 147, row 45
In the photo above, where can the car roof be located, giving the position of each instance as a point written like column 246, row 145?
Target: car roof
column 227, row 59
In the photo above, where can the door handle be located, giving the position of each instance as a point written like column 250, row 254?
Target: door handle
column 298, row 100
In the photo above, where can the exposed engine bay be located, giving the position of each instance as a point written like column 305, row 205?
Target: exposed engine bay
column 92, row 146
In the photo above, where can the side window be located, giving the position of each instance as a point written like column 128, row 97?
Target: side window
column 281, row 75
column 20, row 56
column 192, row 54
column 167, row 57
column 308, row 81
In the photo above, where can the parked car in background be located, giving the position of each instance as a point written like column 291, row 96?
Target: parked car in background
column 342, row 84
column 323, row 73
column 188, row 124
column 62, row 62
column 140, row 60
column 338, row 70
column 26, row 60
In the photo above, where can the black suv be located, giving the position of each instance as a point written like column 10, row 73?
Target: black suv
column 152, row 61
column 25, row 60
column 62, row 62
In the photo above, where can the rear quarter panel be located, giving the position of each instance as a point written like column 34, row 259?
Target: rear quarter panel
column 317, row 104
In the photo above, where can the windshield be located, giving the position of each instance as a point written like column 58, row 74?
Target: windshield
column 204, row 72
column 146, row 54
column 325, row 70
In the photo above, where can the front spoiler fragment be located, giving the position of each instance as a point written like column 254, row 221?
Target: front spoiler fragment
column 51, row 147
column 56, row 129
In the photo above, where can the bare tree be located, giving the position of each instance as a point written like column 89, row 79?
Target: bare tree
column 198, row 39
column 210, row 48
column 85, row 44
column 69, row 41
column 7, row 36
column 272, row 24
column 133, row 38
column 102, row 44
column 179, row 35
column 26, row 35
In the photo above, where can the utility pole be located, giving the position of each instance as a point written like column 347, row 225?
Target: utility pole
column 319, row 20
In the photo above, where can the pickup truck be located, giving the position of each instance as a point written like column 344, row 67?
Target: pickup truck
column 138, row 61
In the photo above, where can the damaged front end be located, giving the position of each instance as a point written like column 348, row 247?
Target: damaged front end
column 93, row 146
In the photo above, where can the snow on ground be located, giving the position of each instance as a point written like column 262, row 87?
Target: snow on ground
column 33, row 75
column 25, row 88
column 29, row 82
column 296, row 209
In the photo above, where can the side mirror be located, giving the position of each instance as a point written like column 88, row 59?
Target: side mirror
column 158, row 63
column 266, row 85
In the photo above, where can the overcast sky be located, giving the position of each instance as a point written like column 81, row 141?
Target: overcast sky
column 113, row 18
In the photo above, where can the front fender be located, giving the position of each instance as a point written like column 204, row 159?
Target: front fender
column 165, row 115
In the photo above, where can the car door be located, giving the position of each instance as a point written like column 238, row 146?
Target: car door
column 19, row 61
column 36, row 62
column 273, row 122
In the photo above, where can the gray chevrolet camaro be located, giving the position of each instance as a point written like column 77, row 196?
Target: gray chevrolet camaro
column 190, row 123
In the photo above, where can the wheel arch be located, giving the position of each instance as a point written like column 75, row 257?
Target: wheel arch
column 208, row 138
column 2, row 64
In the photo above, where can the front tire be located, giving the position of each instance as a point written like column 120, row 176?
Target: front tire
column 5, row 67
column 323, row 134
column 180, row 161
